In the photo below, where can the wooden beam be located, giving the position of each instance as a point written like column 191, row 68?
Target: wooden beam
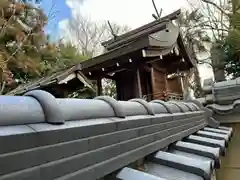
column 99, row 87
column 147, row 68
column 110, row 77
column 153, row 81
column 152, row 53
column 112, row 57
column 68, row 78
column 182, row 85
column 139, row 86
column 124, row 66
column 159, row 69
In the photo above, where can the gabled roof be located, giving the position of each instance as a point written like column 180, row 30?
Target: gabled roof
column 141, row 38
column 59, row 77
column 141, row 31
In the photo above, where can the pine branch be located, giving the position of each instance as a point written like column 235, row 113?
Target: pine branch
column 19, row 47
column 5, row 25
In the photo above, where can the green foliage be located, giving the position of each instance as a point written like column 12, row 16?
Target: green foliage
column 109, row 88
column 25, row 51
column 59, row 57
column 230, row 48
column 231, row 59
column 21, row 36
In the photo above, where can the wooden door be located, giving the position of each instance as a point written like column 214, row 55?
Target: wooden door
column 159, row 85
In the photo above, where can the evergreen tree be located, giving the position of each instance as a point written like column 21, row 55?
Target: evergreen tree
column 21, row 40
column 25, row 50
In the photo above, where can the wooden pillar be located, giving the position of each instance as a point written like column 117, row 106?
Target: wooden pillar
column 182, row 86
column 153, row 82
column 99, row 87
column 181, row 76
column 165, row 81
column 139, row 86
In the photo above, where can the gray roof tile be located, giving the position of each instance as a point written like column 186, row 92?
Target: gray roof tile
column 104, row 135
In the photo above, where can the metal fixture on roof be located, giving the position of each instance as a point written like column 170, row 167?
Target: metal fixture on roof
column 111, row 30
column 158, row 14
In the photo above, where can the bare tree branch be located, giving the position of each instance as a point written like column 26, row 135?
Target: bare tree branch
column 89, row 35
column 215, row 5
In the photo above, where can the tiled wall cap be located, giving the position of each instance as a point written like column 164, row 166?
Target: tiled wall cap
column 174, row 108
column 201, row 168
column 158, row 108
column 145, row 104
column 114, row 104
column 130, row 174
column 197, row 108
column 49, row 105
column 197, row 102
column 18, row 110
column 208, row 142
column 162, row 103
column 206, row 151
column 213, row 123
column 187, row 105
column 181, row 106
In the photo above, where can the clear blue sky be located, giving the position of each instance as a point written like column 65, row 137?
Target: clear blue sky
column 60, row 11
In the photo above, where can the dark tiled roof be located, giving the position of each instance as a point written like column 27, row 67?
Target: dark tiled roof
column 48, row 138
column 54, row 78
column 141, row 31
column 142, row 38
column 223, row 99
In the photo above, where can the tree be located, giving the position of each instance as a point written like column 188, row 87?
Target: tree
column 215, row 22
column 231, row 58
column 60, row 56
column 87, row 35
column 223, row 21
column 109, row 88
column 195, row 40
column 25, row 51
column 21, row 37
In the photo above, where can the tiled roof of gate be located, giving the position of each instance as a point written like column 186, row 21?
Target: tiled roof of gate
column 54, row 78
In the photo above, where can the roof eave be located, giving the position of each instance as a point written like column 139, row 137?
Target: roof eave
column 169, row 17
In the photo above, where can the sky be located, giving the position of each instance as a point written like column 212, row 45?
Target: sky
column 133, row 13
column 57, row 11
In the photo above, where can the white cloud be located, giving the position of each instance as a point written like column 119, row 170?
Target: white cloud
column 133, row 13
